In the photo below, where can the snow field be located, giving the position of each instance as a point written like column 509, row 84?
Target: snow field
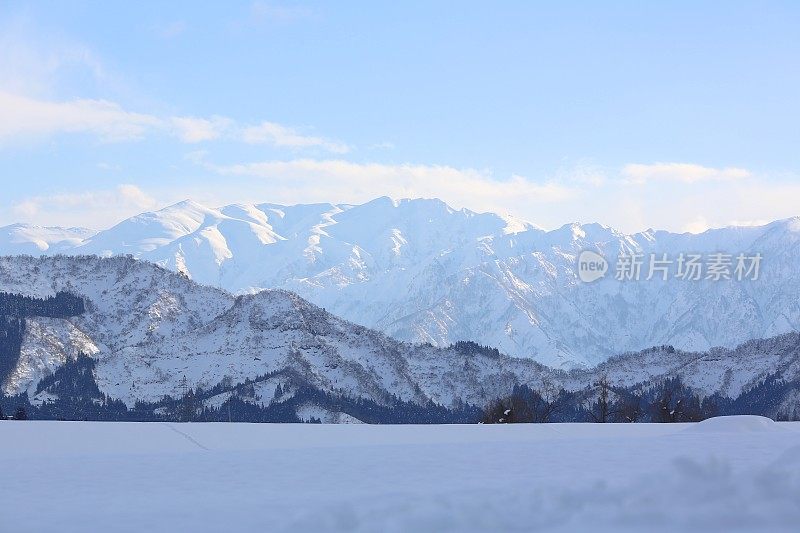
column 739, row 473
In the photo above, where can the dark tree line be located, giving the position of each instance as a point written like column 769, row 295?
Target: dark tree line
column 12, row 331
column 75, row 396
column 473, row 348
column 668, row 401
column 14, row 308
column 242, row 406
column 62, row 305
column 526, row 405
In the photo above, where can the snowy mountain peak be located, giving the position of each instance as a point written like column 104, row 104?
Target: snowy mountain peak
column 183, row 205
column 33, row 239
column 422, row 271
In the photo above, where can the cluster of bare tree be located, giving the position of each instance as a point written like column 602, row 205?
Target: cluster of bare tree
column 525, row 405
column 19, row 414
column 602, row 402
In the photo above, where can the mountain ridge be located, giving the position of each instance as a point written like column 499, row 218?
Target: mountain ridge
column 421, row 271
column 147, row 330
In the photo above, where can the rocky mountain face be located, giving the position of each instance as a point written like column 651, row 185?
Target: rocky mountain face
column 151, row 333
column 420, row 271
column 148, row 328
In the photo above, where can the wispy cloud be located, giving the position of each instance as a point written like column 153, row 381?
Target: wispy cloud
column 550, row 203
column 195, row 130
column 281, row 136
column 585, row 194
column 104, row 206
column 306, row 180
column 23, row 117
column 682, row 172
column 36, row 66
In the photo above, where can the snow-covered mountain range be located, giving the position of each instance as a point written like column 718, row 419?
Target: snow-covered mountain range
column 148, row 328
column 420, row 271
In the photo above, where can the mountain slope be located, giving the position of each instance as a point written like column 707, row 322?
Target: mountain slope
column 149, row 329
column 421, row 271
column 31, row 239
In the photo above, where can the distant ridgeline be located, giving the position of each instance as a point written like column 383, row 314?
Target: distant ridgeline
column 14, row 308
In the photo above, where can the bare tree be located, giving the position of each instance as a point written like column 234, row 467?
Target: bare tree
column 631, row 408
column 603, row 409
column 511, row 410
column 525, row 405
column 677, row 403
column 547, row 402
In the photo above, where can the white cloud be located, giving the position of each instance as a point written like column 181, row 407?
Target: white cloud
column 738, row 197
column 281, row 136
column 583, row 174
column 681, row 172
column 194, row 130
column 301, row 181
column 89, row 208
column 32, row 74
column 674, row 206
column 586, row 194
column 306, row 180
column 697, row 225
column 36, row 66
column 23, row 117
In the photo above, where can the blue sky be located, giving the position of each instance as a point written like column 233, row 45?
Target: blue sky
column 627, row 113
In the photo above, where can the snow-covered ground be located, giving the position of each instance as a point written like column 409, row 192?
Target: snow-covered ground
column 739, row 473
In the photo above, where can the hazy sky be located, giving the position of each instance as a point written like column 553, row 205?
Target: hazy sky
column 675, row 115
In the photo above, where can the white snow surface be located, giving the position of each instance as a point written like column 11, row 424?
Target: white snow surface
column 32, row 239
column 718, row 475
column 421, row 271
